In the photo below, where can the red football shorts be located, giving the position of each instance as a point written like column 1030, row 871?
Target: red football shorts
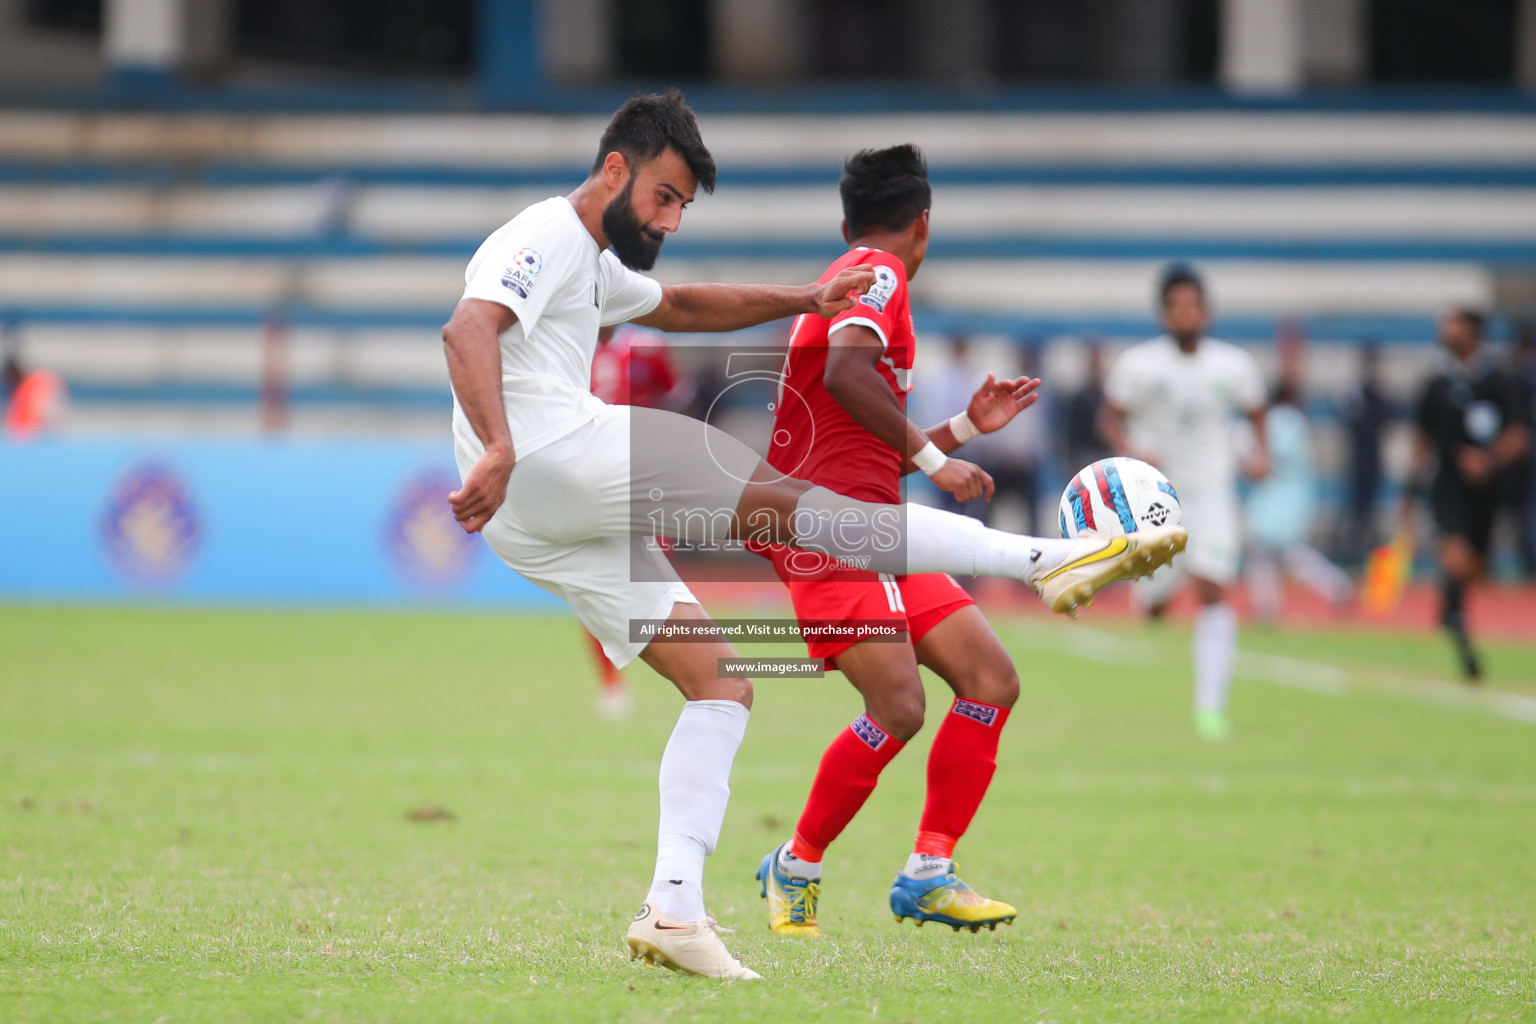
column 917, row 603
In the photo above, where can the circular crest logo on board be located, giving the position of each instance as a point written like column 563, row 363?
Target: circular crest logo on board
column 425, row 542
column 151, row 528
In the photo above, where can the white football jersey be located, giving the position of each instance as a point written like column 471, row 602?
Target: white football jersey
column 545, row 266
column 1179, row 408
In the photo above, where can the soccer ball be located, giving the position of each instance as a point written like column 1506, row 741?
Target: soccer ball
column 1118, row 496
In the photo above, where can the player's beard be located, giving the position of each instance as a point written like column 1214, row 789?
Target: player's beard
column 633, row 243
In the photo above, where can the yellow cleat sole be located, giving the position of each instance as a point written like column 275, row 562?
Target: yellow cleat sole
column 639, row 949
column 804, row 931
column 1136, row 561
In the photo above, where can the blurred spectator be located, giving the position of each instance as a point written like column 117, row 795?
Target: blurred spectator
column 1081, row 442
column 35, row 400
column 1367, row 412
column 1280, row 512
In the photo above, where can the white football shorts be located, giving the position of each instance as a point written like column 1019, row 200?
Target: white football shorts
column 581, row 513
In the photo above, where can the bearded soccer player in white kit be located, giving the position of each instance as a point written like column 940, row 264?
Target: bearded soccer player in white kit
column 1172, row 402
column 571, row 493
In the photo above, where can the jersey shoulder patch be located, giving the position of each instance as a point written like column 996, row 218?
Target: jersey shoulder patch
column 883, row 290
column 524, row 269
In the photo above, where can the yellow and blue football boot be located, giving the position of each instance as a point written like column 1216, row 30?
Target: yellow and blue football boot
column 791, row 901
column 949, row 901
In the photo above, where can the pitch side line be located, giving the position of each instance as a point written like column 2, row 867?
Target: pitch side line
column 1313, row 676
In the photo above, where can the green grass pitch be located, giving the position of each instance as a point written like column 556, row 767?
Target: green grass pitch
column 204, row 817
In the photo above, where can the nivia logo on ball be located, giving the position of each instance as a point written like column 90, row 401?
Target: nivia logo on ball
column 1157, row 513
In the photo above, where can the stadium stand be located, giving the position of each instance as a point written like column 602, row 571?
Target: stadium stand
column 145, row 257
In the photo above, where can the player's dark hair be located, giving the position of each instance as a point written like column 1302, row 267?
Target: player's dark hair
column 1176, row 274
column 1474, row 320
column 884, row 188
column 651, row 123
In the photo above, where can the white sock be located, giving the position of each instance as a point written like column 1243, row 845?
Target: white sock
column 678, row 901
column 923, row 866
column 1044, row 552
column 695, row 787
column 1215, row 646
column 794, row 867
column 872, row 535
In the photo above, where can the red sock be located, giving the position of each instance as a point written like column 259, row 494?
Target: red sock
column 848, row 772
column 960, row 768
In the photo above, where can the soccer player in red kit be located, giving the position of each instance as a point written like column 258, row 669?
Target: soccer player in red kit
column 841, row 422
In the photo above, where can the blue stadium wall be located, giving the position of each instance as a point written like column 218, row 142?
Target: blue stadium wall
column 355, row 522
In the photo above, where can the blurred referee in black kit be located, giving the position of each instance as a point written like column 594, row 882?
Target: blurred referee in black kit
column 1475, row 418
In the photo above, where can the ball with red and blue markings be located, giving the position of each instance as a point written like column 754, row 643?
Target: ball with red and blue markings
column 1117, row 496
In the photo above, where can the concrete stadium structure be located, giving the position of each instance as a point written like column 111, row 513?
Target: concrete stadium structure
column 141, row 254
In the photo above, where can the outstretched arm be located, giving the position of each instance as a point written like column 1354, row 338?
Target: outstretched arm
column 730, row 307
column 472, row 344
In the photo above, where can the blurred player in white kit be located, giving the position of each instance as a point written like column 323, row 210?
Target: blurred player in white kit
column 1172, row 401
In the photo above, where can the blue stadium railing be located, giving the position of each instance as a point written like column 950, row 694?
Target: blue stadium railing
column 240, row 173
column 530, row 94
column 1390, row 329
column 1026, row 328
column 1520, row 252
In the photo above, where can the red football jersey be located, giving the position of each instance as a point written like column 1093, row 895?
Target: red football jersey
column 814, row 438
column 634, row 368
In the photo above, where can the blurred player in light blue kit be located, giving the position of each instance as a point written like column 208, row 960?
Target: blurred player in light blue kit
column 1280, row 512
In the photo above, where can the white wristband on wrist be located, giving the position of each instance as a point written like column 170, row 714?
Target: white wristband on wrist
column 961, row 426
column 929, row 459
